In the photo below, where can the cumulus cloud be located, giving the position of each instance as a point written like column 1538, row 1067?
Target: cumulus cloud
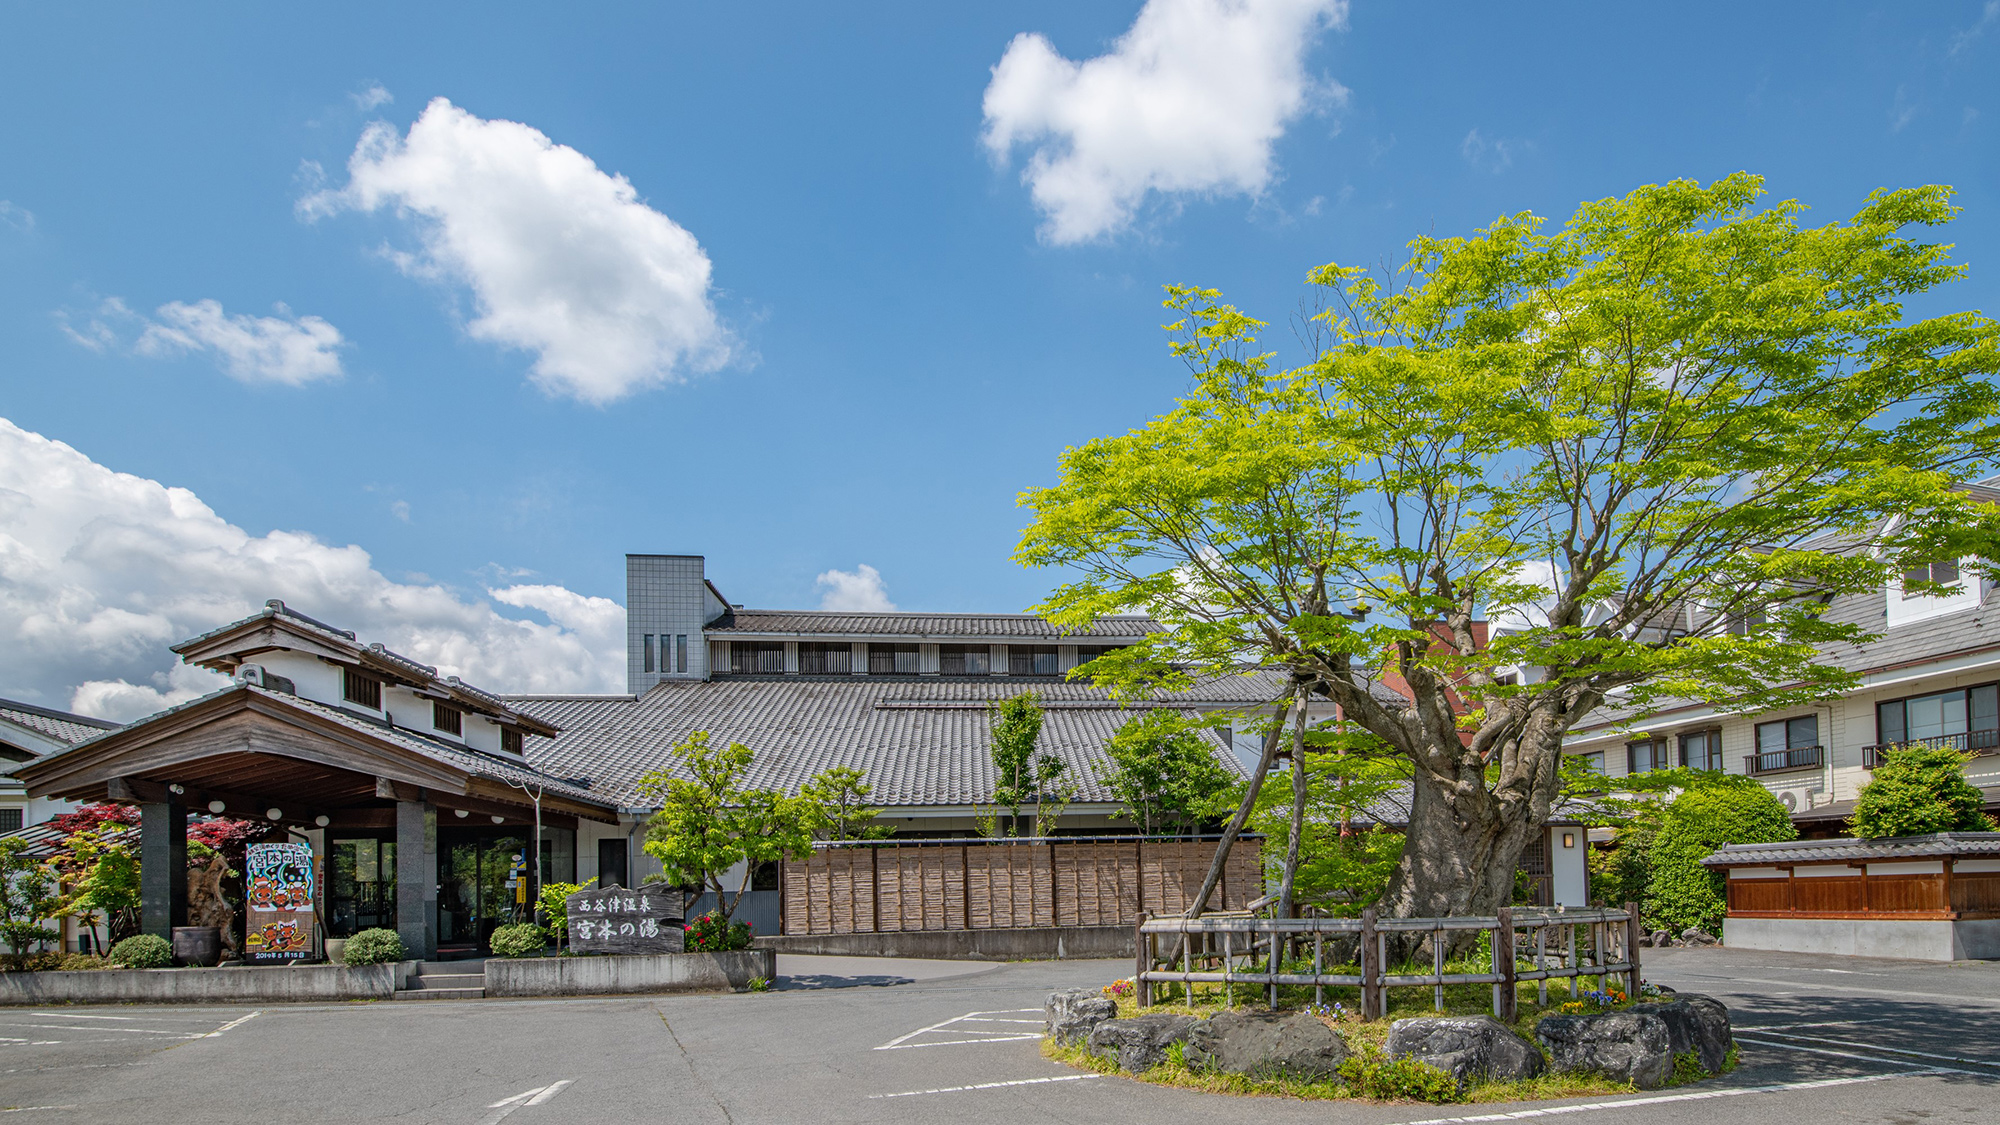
column 288, row 349
column 375, row 95
column 100, row 571
column 562, row 259
column 1189, row 100
column 856, row 591
column 293, row 350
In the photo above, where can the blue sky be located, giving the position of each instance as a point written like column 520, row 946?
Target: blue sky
column 897, row 333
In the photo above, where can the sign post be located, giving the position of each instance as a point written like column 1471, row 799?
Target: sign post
column 615, row 920
column 279, row 890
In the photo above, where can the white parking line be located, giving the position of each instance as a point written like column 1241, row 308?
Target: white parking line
column 1880, row 1047
column 1821, row 1023
column 33, row 1108
column 956, row 1027
column 120, row 1030
column 987, row 1086
column 74, row 1016
column 1915, row 1068
column 536, row 1096
column 237, row 1022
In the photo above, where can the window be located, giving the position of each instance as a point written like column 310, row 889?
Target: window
column 1646, row 756
column 965, row 660
column 1594, row 760
column 1963, row 718
column 10, row 820
column 359, row 687
column 749, row 658
column 1702, row 750
column 680, row 652
column 1942, row 573
column 1746, row 622
column 892, row 660
column 826, row 659
column 1087, row 653
column 447, row 719
column 1031, row 660
column 1788, row 734
column 648, row 666
column 510, row 741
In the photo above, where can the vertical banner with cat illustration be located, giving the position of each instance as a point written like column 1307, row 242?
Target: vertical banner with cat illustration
column 278, row 889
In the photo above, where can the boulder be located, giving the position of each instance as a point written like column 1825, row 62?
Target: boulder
column 1699, row 937
column 1697, row 1023
column 1267, row 1045
column 1141, row 1042
column 1070, row 1013
column 1662, row 939
column 1465, row 1047
column 1629, row 1044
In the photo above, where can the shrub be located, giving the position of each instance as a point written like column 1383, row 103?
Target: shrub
column 373, row 947
column 522, row 939
column 711, row 933
column 31, row 962
column 553, row 902
column 82, row 963
column 146, row 951
column 1392, row 1079
column 1917, row 790
column 1682, row 893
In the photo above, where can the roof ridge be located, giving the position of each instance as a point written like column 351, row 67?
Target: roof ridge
column 52, row 713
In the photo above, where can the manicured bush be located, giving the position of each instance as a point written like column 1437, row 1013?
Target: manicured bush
column 711, row 934
column 1918, row 790
column 373, row 947
column 146, row 951
column 1683, row 893
column 522, row 939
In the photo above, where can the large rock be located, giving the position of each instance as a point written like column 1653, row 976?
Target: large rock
column 1139, row 1043
column 1700, row 1024
column 1629, row 1045
column 1465, row 1047
column 1699, row 937
column 1266, row 1045
column 1071, row 1013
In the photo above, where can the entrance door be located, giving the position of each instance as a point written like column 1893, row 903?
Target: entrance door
column 611, row 863
column 361, row 891
column 474, row 896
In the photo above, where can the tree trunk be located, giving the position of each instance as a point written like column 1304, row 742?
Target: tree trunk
column 1235, row 826
column 1461, row 850
column 1289, row 880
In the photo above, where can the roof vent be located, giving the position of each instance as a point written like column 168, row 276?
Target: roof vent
column 250, row 674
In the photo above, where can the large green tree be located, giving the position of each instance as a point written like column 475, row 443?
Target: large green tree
column 1163, row 771
column 1920, row 789
column 711, row 821
column 1680, row 411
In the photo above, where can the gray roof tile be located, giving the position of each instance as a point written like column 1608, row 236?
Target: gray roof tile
column 59, row 725
column 1937, row 845
column 1004, row 626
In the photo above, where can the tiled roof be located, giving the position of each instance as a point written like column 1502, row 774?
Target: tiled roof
column 1007, row 626
column 1937, row 845
column 59, row 725
column 919, row 744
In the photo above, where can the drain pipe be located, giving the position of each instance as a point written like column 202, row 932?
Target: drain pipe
column 639, row 814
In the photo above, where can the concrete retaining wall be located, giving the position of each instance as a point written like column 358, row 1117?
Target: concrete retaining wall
column 197, row 986
column 1921, row 940
column 659, row 972
column 1020, row 944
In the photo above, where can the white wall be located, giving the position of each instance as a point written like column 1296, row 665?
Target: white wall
column 1569, row 878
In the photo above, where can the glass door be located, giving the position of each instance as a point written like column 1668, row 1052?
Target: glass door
column 474, row 895
column 361, row 891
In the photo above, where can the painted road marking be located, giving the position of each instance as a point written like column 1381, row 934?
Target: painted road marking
column 120, row 1030
column 955, row 1026
column 536, row 1096
column 1821, row 1023
column 237, row 1022
column 1915, row 1067
column 1778, row 1087
column 987, row 1086
column 73, row 1016
column 33, row 1108
column 1880, row 1047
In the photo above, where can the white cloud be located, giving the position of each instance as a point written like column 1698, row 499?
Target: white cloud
column 1189, row 100
column 562, row 259
column 20, row 218
column 1988, row 16
column 374, row 96
column 858, row 591
column 100, row 571
column 401, row 510
column 1487, row 155
column 293, row 350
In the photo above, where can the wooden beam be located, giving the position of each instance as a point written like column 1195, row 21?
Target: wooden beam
column 239, row 806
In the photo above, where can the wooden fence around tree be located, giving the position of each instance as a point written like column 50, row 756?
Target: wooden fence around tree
column 1002, row 884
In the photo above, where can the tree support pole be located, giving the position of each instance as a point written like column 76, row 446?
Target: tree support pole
column 1235, row 827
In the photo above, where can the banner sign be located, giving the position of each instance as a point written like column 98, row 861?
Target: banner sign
column 278, row 889
column 615, row 920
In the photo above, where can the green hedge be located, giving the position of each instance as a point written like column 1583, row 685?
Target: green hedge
column 372, row 947
column 522, row 939
column 146, row 951
column 1681, row 892
column 1919, row 790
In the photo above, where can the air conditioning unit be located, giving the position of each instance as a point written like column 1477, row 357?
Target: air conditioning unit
column 1790, row 799
column 250, row 674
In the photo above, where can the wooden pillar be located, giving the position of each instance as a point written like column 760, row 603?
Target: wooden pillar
column 163, row 866
column 413, row 882
column 1632, row 977
column 1142, row 989
column 1371, row 969
column 1504, row 999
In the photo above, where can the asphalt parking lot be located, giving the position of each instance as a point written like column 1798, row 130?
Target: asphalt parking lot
column 1824, row 1040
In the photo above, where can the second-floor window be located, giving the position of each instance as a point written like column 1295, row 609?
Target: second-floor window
column 447, row 719
column 1943, row 573
column 746, row 658
column 892, row 660
column 1702, row 750
column 647, row 665
column 826, row 659
column 360, row 687
column 965, row 660
column 680, row 652
column 1963, row 718
column 1801, row 733
column 1031, row 660
column 1646, row 755
column 510, row 741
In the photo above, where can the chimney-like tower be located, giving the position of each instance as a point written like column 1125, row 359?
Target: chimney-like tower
column 667, row 601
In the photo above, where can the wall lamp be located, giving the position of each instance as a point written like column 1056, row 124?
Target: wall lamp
column 460, row 813
column 1569, row 839
column 274, row 814
column 216, row 806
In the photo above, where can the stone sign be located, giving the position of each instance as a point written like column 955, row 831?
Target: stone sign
column 615, row 920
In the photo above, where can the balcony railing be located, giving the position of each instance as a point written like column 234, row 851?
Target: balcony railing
column 1981, row 742
column 1778, row 761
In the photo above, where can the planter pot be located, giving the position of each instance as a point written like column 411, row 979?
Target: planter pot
column 197, row 945
column 336, row 950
